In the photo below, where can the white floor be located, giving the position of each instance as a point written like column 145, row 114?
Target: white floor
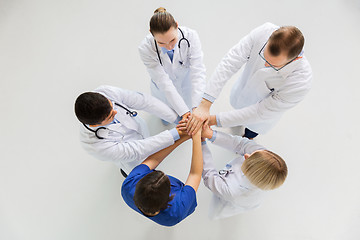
column 51, row 51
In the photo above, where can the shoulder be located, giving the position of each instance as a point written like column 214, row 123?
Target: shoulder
column 135, row 175
column 184, row 202
column 141, row 169
column 184, row 193
column 147, row 43
column 189, row 190
column 178, row 187
column 301, row 73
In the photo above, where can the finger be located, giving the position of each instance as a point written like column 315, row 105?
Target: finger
column 195, row 128
column 182, row 129
column 183, row 121
column 207, row 121
column 189, row 120
column 181, row 125
column 190, row 123
column 192, row 126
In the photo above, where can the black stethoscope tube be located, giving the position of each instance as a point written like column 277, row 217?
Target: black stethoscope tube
column 128, row 112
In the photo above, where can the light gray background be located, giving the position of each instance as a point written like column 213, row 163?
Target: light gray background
column 51, row 51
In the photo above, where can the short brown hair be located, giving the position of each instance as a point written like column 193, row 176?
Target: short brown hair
column 288, row 39
column 92, row 108
column 265, row 169
column 152, row 192
column 161, row 21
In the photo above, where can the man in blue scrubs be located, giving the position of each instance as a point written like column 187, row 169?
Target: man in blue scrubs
column 161, row 198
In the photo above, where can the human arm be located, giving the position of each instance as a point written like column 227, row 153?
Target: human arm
column 138, row 101
column 196, row 168
column 125, row 154
column 271, row 107
column 155, row 159
column 228, row 66
column 237, row 144
column 211, row 177
column 160, row 77
column 197, row 68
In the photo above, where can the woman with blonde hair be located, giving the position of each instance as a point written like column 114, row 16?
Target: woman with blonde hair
column 240, row 186
column 174, row 60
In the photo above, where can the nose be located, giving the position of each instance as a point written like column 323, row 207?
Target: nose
column 169, row 47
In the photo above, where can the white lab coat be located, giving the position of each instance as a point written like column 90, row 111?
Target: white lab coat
column 233, row 193
column 181, row 86
column 127, row 143
column 261, row 94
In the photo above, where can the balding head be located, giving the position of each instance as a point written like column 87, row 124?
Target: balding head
column 286, row 40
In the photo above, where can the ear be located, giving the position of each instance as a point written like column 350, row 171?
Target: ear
column 177, row 25
column 246, row 156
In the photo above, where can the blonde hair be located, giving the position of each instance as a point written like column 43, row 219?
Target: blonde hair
column 265, row 169
column 161, row 21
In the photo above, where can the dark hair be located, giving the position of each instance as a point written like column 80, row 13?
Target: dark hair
column 161, row 21
column 152, row 192
column 288, row 39
column 92, row 108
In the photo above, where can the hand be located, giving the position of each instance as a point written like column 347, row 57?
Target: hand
column 199, row 116
column 182, row 125
column 207, row 132
column 181, row 129
column 185, row 116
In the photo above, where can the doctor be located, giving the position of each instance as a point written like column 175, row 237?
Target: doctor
column 174, row 60
column 241, row 185
column 111, row 131
column 276, row 77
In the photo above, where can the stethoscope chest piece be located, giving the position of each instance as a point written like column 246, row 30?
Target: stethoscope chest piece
column 225, row 172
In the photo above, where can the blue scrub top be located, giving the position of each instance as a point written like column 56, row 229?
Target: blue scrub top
column 182, row 205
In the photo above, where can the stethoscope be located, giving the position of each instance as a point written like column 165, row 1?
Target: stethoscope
column 128, row 112
column 225, row 172
column 181, row 39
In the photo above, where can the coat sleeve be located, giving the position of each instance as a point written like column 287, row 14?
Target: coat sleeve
column 139, row 101
column 273, row 105
column 125, row 152
column 197, row 70
column 237, row 144
column 229, row 65
column 160, row 77
column 212, row 179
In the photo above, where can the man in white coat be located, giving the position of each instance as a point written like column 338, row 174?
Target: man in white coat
column 276, row 77
column 110, row 131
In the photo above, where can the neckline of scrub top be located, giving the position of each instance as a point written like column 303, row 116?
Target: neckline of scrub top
column 164, row 50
